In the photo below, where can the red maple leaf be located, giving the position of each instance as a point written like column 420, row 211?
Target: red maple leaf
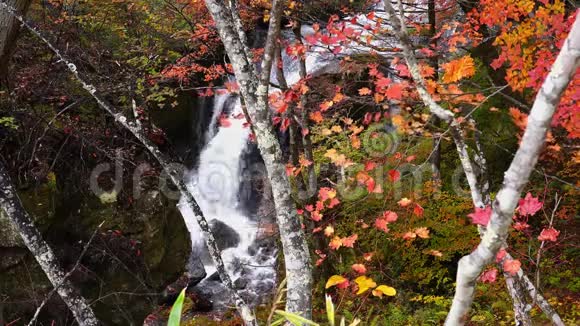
column 529, row 205
column 481, row 216
column 349, row 241
column 418, row 210
column 512, row 266
column 395, row 91
column 489, row 276
column 500, row 255
column 382, row 224
column 359, row 268
column 390, row 216
column 316, row 216
column 550, row 234
column 383, row 82
column 520, row 226
column 394, row 175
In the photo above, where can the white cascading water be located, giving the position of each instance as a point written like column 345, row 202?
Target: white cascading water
column 215, row 185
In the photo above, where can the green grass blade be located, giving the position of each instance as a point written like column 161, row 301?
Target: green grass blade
column 175, row 314
column 295, row 319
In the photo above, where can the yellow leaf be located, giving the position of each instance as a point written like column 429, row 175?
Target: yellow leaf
column 398, row 121
column 326, row 132
column 336, row 129
column 364, row 283
column 383, row 289
column 422, row 232
column 458, row 69
column 334, row 280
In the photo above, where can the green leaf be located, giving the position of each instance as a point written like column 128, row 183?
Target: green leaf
column 330, row 310
column 278, row 322
column 175, row 315
column 295, row 319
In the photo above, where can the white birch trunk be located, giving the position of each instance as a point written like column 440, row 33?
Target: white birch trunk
column 9, row 28
column 516, row 176
column 254, row 90
column 12, row 207
column 245, row 312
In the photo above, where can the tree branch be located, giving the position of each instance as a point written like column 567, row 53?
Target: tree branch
column 12, row 206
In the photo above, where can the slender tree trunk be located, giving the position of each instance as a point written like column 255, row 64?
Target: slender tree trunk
column 215, row 253
column 254, row 89
column 12, row 207
column 311, row 183
column 517, row 175
column 9, row 28
column 295, row 139
column 436, row 155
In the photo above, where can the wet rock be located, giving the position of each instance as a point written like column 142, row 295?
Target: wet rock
column 195, row 268
column 225, row 236
column 241, row 283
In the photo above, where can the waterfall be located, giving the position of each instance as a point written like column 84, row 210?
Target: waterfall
column 215, row 184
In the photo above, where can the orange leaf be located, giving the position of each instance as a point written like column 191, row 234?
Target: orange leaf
column 326, row 105
column 349, row 241
column 458, row 69
column 365, row 91
column 404, row 202
column 316, row 117
column 359, row 268
column 335, row 243
column 512, row 266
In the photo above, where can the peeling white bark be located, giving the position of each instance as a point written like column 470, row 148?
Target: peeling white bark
column 11, row 205
column 215, row 253
column 254, row 90
column 517, row 175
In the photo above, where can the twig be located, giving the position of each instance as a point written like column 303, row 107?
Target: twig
column 558, row 201
column 66, row 276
